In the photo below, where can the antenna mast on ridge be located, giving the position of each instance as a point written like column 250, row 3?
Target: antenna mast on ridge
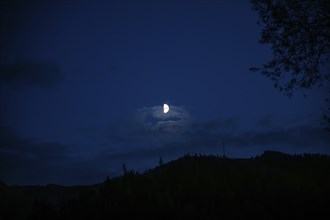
column 223, row 149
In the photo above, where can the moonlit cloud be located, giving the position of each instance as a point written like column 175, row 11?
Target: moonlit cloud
column 79, row 95
column 175, row 121
column 139, row 142
column 176, row 112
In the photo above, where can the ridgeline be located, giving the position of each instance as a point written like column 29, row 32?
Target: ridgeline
column 271, row 186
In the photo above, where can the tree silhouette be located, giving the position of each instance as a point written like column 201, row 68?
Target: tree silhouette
column 274, row 185
column 124, row 169
column 160, row 162
column 326, row 115
column 299, row 34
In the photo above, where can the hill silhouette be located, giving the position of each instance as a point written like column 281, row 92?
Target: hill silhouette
column 273, row 185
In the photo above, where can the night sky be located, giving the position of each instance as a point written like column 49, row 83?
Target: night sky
column 83, row 84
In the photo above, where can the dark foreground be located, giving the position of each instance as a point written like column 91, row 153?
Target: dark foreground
column 272, row 186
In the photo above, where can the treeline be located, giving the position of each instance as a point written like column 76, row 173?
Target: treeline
column 270, row 186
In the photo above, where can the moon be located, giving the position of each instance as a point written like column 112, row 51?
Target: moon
column 166, row 108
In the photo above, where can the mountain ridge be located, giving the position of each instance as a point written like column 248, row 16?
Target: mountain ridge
column 199, row 181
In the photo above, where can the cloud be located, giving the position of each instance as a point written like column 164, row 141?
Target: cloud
column 153, row 118
column 10, row 143
column 229, row 125
column 31, row 73
column 299, row 137
column 139, row 142
column 152, row 140
column 146, row 129
column 176, row 112
column 28, row 160
column 265, row 121
column 31, row 161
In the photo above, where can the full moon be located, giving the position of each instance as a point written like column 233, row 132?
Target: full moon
column 166, row 108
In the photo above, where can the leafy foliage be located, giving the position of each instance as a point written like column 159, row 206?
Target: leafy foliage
column 326, row 115
column 299, row 34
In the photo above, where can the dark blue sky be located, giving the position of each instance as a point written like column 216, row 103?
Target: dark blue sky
column 83, row 83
